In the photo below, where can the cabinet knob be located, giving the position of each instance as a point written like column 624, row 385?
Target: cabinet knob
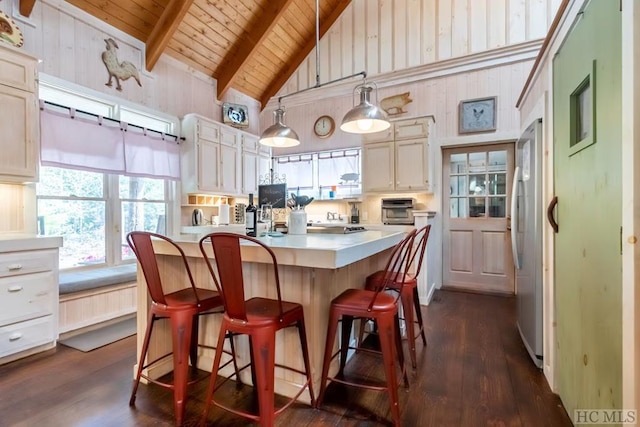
column 15, row 336
column 15, row 288
column 13, row 267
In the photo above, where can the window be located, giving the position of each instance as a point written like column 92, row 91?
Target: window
column 322, row 175
column 478, row 184
column 93, row 211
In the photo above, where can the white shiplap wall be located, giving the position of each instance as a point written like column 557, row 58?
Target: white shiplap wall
column 441, row 51
column 382, row 36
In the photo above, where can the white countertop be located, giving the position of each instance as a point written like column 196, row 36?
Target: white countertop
column 308, row 250
column 13, row 242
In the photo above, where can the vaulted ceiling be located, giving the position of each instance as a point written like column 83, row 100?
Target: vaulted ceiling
column 253, row 46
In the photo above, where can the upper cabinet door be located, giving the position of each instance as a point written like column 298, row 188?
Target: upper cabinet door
column 378, row 163
column 208, row 166
column 412, row 165
column 20, row 135
column 410, row 129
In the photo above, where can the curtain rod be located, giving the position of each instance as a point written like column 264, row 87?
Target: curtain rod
column 177, row 138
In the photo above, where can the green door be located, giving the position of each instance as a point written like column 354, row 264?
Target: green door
column 587, row 179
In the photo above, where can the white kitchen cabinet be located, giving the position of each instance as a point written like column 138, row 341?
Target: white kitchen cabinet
column 200, row 155
column 230, row 161
column 264, row 168
column 29, row 297
column 217, row 158
column 249, row 164
column 19, row 122
column 401, row 163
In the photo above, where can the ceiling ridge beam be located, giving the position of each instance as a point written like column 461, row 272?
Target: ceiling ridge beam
column 295, row 62
column 250, row 44
column 164, row 29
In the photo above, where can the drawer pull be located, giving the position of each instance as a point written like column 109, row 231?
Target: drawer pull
column 15, row 337
column 13, row 267
column 15, row 288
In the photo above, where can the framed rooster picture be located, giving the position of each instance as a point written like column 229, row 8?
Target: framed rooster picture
column 235, row 115
column 477, row 115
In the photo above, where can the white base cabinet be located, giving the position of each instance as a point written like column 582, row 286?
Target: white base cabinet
column 398, row 159
column 28, row 296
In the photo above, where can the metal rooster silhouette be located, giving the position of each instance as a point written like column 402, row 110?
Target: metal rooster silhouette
column 118, row 70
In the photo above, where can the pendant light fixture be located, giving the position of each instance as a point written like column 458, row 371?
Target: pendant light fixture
column 279, row 134
column 363, row 118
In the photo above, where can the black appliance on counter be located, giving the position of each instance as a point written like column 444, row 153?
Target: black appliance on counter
column 398, row 211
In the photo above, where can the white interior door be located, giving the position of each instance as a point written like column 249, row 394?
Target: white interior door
column 476, row 241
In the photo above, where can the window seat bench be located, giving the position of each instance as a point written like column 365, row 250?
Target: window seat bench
column 93, row 296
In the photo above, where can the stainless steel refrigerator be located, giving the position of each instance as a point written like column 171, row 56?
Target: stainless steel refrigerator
column 526, row 238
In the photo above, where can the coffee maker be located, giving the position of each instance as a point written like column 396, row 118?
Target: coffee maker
column 354, row 212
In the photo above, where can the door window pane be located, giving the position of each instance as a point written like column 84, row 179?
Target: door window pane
column 458, row 163
column 476, row 207
column 498, row 160
column 458, row 208
column 477, row 185
column 477, row 162
column 497, row 184
column 497, row 207
column 458, row 185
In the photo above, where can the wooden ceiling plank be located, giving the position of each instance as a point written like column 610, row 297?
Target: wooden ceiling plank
column 164, row 30
column 186, row 60
column 26, row 7
column 229, row 32
column 113, row 15
column 295, row 62
column 259, row 32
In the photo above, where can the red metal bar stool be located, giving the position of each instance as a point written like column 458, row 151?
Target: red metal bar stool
column 407, row 286
column 371, row 304
column 259, row 318
column 182, row 308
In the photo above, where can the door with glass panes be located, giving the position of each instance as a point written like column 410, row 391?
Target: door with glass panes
column 476, row 196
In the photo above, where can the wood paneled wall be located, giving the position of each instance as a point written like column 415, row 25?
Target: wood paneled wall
column 382, row 36
column 70, row 44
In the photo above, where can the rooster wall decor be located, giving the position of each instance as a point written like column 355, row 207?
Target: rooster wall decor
column 118, row 70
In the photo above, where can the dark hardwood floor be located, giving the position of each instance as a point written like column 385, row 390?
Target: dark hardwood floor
column 474, row 372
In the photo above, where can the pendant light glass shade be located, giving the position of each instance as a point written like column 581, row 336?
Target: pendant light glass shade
column 278, row 134
column 365, row 117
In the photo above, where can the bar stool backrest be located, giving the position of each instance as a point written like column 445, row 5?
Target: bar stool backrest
column 422, row 236
column 397, row 265
column 229, row 279
column 142, row 246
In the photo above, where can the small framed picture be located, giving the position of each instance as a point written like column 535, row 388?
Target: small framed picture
column 235, row 115
column 477, row 115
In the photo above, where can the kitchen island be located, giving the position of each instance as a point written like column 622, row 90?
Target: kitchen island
column 314, row 268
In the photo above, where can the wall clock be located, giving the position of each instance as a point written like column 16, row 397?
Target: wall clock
column 324, row 126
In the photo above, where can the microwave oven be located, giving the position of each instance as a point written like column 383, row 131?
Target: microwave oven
column 398, row 211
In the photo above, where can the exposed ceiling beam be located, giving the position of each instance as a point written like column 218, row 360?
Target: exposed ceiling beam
column 250, row 44
column 164, row 29
column 295, row 62
column 26, row 6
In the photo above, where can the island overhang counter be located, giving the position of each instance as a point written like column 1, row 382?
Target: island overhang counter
column 313, row 268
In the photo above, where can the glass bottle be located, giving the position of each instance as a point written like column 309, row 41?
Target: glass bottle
column 251, row 217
